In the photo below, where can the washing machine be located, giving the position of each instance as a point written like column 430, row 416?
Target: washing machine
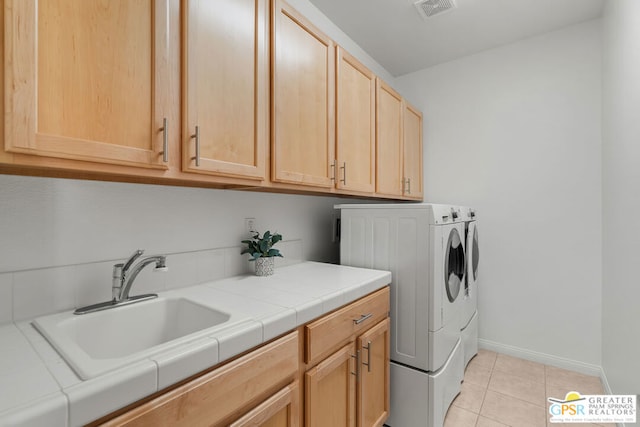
column 423, row 247
column 469, row 312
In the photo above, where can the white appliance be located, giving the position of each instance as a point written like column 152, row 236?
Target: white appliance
column 469, row 318
column 423, row 246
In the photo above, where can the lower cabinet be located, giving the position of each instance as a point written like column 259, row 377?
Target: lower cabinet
column 337, row 376
column 373, row 380
column 349, row 387
column 280, row 410
column 330, row 390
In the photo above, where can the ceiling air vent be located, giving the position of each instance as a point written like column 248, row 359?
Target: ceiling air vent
column 430, row 8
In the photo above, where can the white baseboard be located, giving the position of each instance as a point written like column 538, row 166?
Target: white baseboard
column 547, row 359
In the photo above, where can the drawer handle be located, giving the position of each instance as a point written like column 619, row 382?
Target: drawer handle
column 362, row 318
column 368, row 348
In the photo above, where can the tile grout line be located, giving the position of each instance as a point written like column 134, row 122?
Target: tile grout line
column 484, row 396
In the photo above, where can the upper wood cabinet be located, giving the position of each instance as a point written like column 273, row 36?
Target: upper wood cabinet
column 355, row 124
column 87, row 80
column 303, row 117
column 389, row 150
column 225, row 87
column 225, row 94
column 412, row 176
column 399, row 145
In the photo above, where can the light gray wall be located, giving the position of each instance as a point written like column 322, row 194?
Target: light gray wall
column 56, row 222
column 61, row 237
column 621, row 196
column 515, row 132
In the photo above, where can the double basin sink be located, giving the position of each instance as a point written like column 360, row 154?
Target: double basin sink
column 95, row 343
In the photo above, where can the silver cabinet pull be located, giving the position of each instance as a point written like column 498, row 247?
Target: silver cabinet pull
column 357, row 357
column 344, row 173
column 368, row 348
column 165, row 140
column 197, row 137
column 362, row 318
column 333, row 171
column 406, row 189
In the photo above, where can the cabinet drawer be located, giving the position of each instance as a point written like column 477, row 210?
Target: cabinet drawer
column 323, row 336
column 223, row 394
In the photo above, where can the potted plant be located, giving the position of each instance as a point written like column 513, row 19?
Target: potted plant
column 262, row 251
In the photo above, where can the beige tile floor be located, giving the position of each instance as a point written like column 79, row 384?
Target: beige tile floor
column 500, row 390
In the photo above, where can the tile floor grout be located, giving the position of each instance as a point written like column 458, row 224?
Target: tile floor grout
column 505, row 391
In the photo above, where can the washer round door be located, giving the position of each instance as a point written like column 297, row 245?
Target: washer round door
column 454, row 265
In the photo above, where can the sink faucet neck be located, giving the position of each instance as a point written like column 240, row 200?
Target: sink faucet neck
column 124, row 274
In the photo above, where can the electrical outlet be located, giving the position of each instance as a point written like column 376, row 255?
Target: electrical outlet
column 250, row 225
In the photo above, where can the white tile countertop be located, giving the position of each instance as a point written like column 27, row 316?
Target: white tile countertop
column 38, row 388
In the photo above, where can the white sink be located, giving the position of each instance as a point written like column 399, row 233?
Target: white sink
column 97, row 342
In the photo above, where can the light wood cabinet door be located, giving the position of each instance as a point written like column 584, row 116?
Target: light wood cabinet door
column 303, row 116
column 225, row 87
column 389, row 151
column 355, row 124
column 330, row 390
column 412, row 181
column 87, row 79
column 373, row 385
column 280, row 410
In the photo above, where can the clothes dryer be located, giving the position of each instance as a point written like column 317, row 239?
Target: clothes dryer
column 423, row 246
column 469, row 312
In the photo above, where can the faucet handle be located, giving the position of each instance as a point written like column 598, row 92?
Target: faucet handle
column 137, row 254
column 116, row 284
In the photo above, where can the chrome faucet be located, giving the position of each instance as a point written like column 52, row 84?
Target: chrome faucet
column 123, row 278
column 124, row 274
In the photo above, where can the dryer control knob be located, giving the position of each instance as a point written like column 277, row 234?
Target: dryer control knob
column 454, row 214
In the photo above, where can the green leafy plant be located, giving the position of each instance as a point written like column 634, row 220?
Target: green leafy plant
column 262, row 247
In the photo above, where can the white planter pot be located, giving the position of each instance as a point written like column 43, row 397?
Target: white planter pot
column 265, row 266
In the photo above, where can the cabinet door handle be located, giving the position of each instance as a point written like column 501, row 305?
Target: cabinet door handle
column 344, row 173
column 197, row 137
column 368, row 348
column 362, row 318
column 333, row 171
column 408, row 185
column 165, row 140
column 357, row 357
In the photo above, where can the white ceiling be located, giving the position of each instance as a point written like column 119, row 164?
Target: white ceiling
column 396, row 36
